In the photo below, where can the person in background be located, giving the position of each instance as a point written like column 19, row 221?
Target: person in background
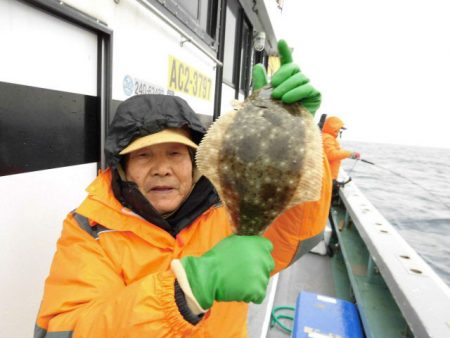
column 331, row 129
column 150, row 252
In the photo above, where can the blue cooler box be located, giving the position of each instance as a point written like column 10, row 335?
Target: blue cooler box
column 323, row 316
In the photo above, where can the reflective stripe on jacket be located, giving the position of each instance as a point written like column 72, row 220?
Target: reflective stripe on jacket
column 111, row 277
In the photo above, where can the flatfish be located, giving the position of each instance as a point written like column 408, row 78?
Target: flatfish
column 262, row 158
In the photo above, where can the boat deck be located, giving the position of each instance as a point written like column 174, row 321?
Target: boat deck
column 312, row 272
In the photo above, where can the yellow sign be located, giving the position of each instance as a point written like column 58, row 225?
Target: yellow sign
column 274, row 65
column 186, row 79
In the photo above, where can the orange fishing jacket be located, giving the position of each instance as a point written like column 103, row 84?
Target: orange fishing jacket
column 333, row 151
column 111, row 276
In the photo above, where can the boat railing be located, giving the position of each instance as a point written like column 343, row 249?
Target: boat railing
column 421, row 295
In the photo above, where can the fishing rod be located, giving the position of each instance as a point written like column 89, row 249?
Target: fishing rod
column 365, row 161
column 407, row 179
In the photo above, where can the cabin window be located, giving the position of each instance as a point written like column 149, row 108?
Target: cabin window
column 246, row 58
column 200, row 16
column 262, row 57
column 230, row 42
column 237, row 54
column 212, row 18
column 54, row 102
column 191, row 6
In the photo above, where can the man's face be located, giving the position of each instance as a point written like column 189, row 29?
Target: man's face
column 163, row 174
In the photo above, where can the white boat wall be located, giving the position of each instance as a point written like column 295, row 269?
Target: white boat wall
column 64, row 68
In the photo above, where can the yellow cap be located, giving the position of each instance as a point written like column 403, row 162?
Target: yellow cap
column 175, row 135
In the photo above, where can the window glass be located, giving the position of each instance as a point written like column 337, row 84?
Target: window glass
column 191, row 7
column 203, row 15
column 230, row 38
column 199, row 10
column 246, row 52
column 198, row 15
column 210, row 10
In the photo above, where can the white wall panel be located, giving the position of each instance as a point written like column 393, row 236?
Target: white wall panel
column 32, row 211
column 43, row 51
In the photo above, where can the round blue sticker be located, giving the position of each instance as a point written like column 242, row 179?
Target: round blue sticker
column 128, row 85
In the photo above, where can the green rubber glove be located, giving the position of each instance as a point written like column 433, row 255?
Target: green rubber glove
column 259, row 76
column 235, row 269
column 289, row 83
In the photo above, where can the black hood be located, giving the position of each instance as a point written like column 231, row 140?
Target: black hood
column 142, row 115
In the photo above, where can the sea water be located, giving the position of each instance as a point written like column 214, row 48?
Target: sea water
column 410, row 186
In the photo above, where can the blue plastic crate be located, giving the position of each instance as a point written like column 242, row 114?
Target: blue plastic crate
column 322, row 316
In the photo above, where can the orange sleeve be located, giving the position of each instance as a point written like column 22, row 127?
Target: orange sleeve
column 333, row 150
column 298, row 224
column 86, row 296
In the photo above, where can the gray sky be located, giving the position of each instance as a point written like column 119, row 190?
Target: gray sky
column 382, row 66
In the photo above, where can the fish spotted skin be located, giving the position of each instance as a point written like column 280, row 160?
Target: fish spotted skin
column 260, row 152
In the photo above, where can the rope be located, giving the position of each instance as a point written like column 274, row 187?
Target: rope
column 276, row 317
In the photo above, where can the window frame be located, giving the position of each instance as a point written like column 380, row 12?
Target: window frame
column 104, row 58
column 187, row 22
column 241, row 70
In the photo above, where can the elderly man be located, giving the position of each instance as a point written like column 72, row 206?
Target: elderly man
column 150, row 252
